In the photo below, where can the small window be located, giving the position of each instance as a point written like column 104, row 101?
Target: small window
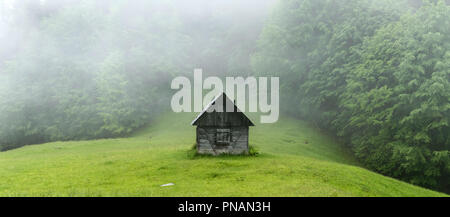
column 223, row 136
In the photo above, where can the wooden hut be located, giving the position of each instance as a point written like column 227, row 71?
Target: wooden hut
column 222, row 132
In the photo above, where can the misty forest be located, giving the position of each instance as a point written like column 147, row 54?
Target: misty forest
column 374, row 74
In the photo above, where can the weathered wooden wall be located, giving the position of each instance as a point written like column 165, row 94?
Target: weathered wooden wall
column 209, row 123
column 206, row 137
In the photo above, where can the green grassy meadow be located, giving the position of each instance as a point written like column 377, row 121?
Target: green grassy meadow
column 294, row 160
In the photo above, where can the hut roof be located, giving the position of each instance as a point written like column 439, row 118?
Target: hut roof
column 243, row 119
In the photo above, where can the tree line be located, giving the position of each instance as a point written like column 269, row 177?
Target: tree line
column 374, row 73
column 98, row 69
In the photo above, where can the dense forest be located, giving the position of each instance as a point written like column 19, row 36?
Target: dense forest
column 94, row 69
column 376, row 73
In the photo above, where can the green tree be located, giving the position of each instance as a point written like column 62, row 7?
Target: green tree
column 397, row 101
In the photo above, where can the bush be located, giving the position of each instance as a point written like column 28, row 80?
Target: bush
column 253, row 150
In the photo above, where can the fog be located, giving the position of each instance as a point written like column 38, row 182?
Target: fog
column 374, row 73
column 19, row 20
column 90, row 69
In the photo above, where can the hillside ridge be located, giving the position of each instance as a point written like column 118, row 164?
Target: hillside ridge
column 295, row 160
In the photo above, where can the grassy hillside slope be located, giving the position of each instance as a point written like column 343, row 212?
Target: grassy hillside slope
column 295, row 160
